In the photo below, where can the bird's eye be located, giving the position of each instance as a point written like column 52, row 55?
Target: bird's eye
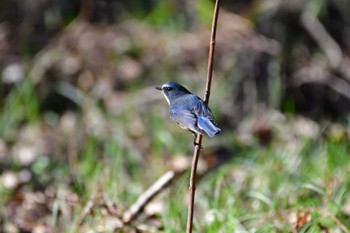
column 168, row 89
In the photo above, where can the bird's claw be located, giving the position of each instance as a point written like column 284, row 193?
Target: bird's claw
column 197, row 144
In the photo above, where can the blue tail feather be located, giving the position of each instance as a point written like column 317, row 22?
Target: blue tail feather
column 206, row 125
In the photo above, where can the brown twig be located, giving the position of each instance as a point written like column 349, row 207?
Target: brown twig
column 148, row 195
column 339, row 223
column 86, row 210
column 197, row 148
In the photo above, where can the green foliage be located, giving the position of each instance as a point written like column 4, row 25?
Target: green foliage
column 162, row 14
column 168, row 16
column 258, row 192
column 204, row 11
column 20, row 106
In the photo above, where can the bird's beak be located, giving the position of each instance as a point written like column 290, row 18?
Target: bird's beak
column 159, row 88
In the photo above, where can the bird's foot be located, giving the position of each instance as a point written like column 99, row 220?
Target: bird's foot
column 197, row 144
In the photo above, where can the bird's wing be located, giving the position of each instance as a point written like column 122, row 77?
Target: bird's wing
column 201, row 109
column 185, row 118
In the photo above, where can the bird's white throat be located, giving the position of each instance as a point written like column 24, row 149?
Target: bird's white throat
column 166, row 97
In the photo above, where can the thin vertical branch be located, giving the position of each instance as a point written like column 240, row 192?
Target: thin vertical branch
column 197, row 148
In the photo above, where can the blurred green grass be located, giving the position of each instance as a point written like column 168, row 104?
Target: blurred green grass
column 260, row 189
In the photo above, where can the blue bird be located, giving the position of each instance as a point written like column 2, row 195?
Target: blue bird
column 188, row 110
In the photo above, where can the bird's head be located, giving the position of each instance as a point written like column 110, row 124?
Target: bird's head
column 172, row 91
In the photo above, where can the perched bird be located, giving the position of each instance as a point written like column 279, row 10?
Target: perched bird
column 188, row 110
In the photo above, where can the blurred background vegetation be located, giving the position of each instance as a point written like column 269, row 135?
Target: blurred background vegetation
column 83, row 132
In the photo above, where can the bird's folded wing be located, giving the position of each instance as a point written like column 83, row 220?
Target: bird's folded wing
column 184, row 118
column 201, row 109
